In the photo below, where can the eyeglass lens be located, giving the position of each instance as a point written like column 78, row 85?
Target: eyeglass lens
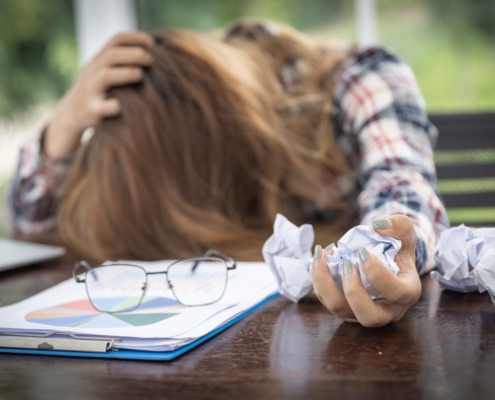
column 116, row 288
column 198, row 281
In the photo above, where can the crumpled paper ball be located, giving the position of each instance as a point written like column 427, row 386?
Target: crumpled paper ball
column 384, row 247
column 288, row 254
column 465, row 259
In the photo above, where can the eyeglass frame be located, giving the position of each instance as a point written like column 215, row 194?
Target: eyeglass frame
column 211, row 254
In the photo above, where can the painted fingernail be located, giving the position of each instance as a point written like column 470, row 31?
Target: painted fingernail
column 381, row 223
column 347, row 267
column 317, row 253
column 363, row 255
column 330, row 247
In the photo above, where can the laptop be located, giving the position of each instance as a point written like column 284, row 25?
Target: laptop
column 16, row 253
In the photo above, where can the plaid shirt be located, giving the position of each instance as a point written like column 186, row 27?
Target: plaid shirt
column 381, row 123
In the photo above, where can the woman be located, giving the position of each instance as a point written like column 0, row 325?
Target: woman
column 198, row 143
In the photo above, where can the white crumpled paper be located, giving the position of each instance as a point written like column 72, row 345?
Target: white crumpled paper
column 384, row 247
column 465, row 259
column 288, row 254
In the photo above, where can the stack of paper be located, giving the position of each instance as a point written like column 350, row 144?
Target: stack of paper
column 159, row 324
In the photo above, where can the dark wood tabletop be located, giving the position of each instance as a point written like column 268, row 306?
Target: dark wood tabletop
column 444, row 348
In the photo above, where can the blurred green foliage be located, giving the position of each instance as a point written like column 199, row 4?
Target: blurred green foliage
column 449, row 48
column 472, row 17
column 209, row 15
column 449, row 43
column 37, row 52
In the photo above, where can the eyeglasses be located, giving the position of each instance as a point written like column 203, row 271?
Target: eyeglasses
column 116, row 288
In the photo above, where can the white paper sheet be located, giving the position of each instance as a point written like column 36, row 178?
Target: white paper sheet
column 465, row 259
column 288, row 254
column 161, row 327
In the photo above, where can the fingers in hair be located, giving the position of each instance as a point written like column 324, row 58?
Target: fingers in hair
column 105, row 108
column 134, row 38
column 127, row 56
column 117, row 76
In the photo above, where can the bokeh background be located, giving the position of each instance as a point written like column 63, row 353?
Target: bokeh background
column 448, row 43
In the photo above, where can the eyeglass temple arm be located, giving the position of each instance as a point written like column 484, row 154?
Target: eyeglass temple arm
column 231, row 263
column 81, row 263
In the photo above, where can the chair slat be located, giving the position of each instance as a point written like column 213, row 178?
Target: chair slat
column 463, row 171
column 465, row 162
column 469, row 199
column 463, row 131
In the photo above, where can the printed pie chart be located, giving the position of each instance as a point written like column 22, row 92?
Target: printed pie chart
column 81, row 313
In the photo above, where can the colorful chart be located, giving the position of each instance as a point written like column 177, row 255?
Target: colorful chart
column 81, row 313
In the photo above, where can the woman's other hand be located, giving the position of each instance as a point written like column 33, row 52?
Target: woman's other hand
column 119, row 62
column 399, row 291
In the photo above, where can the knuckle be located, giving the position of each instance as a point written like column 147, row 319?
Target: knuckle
column 128, row 75
column 110, row 108
column 335, row 306
column 403, row 224
column 338, row 308
column 401, row 219
column 416, row 293
column 373, row 321
column 142, row 54
column 320, row 295
column 350, row 292
column 398, row 296
column 111, row 54
column 318, row 292
column 406, row 294
column 95, row 108
column 102, row 78
column 135, row 74
column 117, row 38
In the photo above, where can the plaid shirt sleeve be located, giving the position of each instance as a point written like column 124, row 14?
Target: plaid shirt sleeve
column 380, row 119
column 35, row 188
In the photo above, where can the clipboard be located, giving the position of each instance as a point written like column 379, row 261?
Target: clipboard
column 45, row 345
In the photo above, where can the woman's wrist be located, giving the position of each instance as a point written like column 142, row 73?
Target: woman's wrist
column 56, row 144
column 62, row 136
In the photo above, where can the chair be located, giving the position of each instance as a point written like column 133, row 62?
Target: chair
column 465, row 160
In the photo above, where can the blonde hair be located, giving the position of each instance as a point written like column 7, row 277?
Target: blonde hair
column 207, row 149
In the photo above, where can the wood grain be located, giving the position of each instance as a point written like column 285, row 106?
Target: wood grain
column 443, row 348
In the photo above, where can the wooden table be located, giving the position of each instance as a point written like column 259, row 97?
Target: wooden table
column 443, row 348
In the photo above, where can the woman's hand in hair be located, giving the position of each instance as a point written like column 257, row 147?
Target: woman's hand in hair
column 399, row 292
column 119, row 62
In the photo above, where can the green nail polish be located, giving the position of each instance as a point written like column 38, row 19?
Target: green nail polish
column 317, row 253
column 381, row 223
column 347, row 267
column 331, row 246
column 363, row 255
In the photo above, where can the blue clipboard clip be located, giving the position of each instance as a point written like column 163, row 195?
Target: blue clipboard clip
column 57, row 340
